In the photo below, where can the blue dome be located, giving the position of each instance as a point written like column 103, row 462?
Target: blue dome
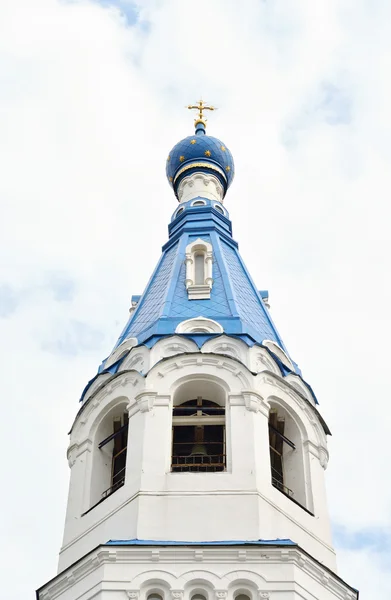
column 200, row 152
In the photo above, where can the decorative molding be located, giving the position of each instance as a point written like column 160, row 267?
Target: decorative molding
column 280, row 353
column 144, row 402
column 76, row 450
column 120, row 351
column 255, row 403
column 200, row 185
column 265, row 556
column 199, row 360
column 191, row 325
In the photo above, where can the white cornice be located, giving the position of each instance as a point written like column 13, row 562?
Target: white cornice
column 238, row 556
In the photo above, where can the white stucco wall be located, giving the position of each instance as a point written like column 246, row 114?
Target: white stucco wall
column 155, row 503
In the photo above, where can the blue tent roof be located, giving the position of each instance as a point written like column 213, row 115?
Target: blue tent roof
column 235, row 301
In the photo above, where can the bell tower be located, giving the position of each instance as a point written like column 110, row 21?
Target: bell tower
column 198, row 452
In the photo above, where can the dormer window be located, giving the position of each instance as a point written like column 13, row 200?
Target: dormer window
column 199, row 270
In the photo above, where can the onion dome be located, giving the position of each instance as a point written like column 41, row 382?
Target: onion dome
column 200, row 153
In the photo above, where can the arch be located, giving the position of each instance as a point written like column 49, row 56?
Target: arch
column 219, row 208
column 289, row 468
column 201, row 583
column 228, row 346
column 171, row 346
column 300, row 386
column 198, row 203
column 120, row 351
column 279, row 353
column 98, row 381
column 199, row 596
column 243, row 581
column 199, row 323
column 179, row 211
column 109, row 450
column 171, row 372
column 262, row 360
column 155, row 594
column 198, row 427
column 137, row 359
column 153, row 581
column 242, row 594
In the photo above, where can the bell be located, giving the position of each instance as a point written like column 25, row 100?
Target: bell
column 198, row 450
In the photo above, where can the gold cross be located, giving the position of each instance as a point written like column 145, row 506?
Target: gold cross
column 201, row 106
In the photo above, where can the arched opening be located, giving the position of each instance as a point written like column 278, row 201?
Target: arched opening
column 241, row 596
column 109, row 454
column 198, row 429
column 179, row 211
column 198, row 596
column 198, row 203
column 155, row 596
column 199, row 268
column 218, row 208
column 286, row 456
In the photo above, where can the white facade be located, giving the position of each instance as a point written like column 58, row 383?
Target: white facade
column 237, row 504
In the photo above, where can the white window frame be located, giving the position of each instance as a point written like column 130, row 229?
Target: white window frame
column 199, row 291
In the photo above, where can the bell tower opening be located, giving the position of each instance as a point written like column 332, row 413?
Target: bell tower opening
column 277, row 440
column 287, row 464
column 109, row 463
column 198, row 429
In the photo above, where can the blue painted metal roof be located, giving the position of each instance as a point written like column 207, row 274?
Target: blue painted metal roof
column 234, row 302
column 277, row 542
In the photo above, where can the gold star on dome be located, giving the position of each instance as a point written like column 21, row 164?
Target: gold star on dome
column 223, row 148
column 207, row 153
column 170, row 178
column 168, row 158
column 181, row 158
column 228, row 168
column 193, row 142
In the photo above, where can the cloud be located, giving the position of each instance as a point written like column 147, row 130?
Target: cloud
column 92, row 97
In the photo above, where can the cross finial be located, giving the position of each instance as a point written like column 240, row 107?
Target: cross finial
column 200, row 106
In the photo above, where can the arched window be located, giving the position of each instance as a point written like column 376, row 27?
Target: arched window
column 109, row 455
column 198, row 437
column 242, row 597
column 154, row 596
column 179, row 211
column 199, row 268
column 218, row 208
column 286, row 456
column 198, row 262
column 199, row 203
column 118, row 441
column 198, row 597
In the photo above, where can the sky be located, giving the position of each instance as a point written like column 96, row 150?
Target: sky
column 92, row 100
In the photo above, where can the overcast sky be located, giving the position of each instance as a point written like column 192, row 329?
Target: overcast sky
column 92, row 99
